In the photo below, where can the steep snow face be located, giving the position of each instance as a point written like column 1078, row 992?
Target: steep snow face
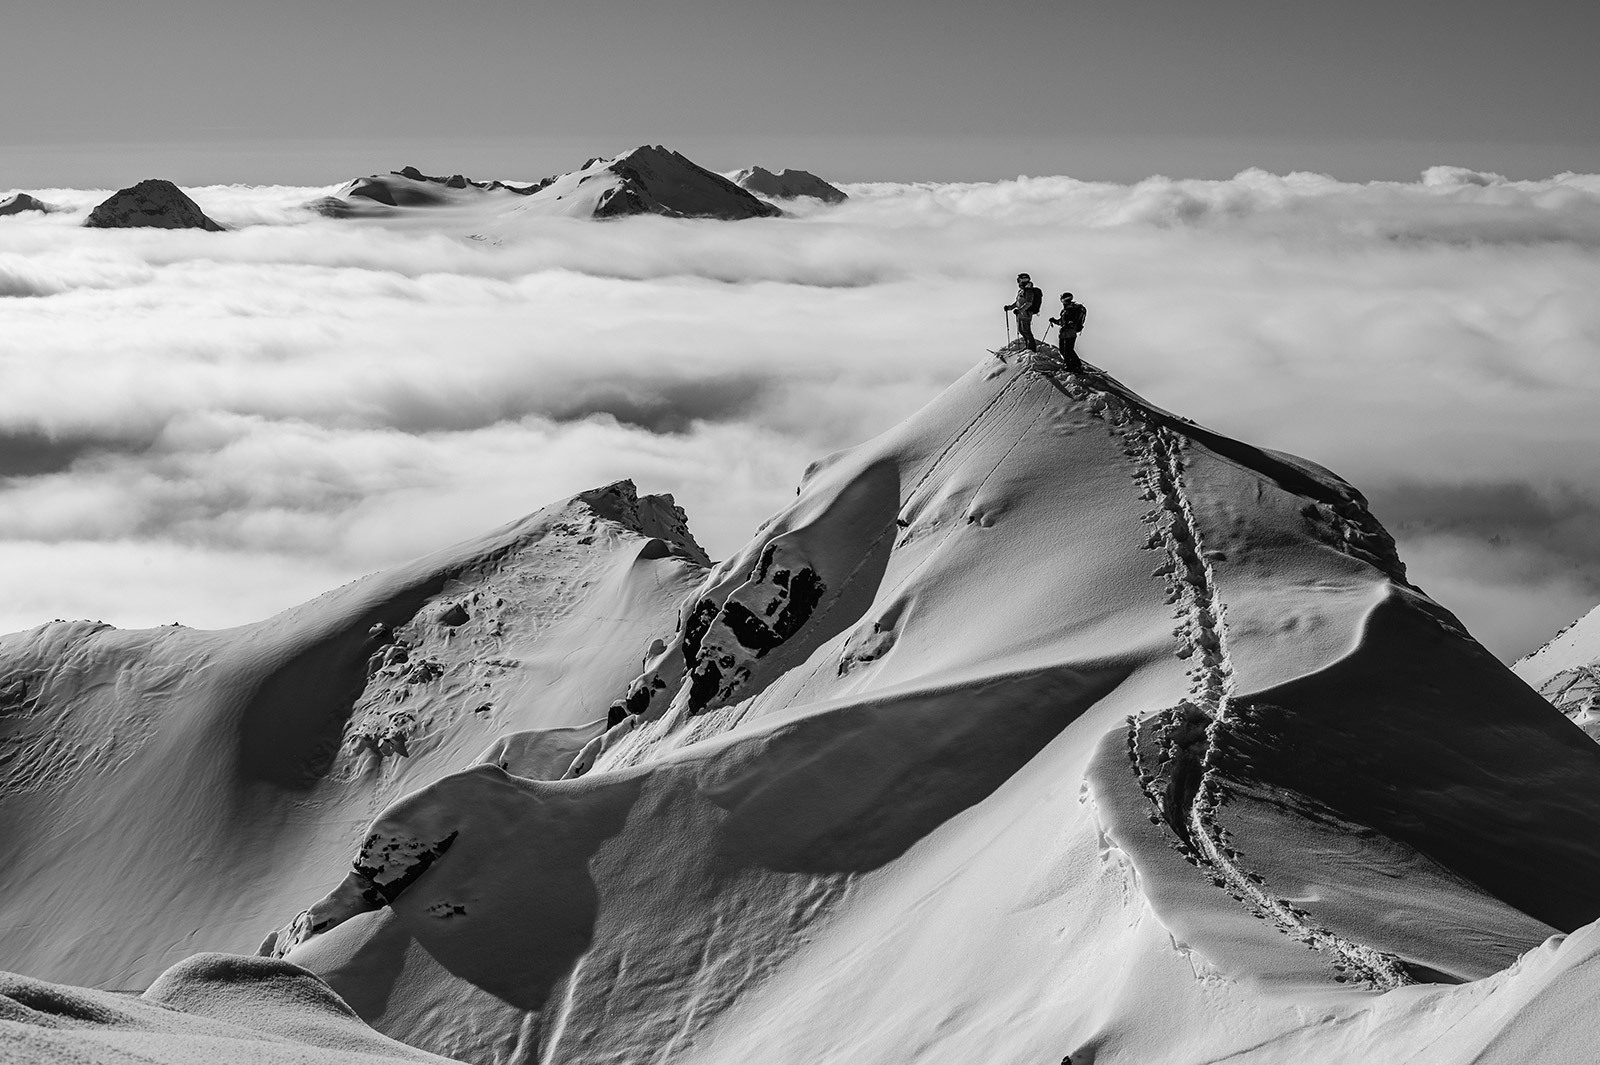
column 1046, row 724
column 1566, row 671
column 787, row 185
column 647, row 180
column 172, row 790
column 156, row 203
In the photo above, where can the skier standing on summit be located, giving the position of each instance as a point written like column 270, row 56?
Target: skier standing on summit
column 1025, row 306
column 1071, row 323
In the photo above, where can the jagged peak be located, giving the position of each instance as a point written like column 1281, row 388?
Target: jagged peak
column 655, row 516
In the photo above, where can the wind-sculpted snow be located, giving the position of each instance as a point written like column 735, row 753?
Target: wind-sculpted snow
column 1205, row 657
column 1046, row 724
column 239, row 763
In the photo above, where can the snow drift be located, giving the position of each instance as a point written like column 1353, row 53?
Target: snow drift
column 1047, row 724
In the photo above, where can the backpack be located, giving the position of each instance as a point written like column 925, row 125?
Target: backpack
column 1074, row 316
column 1035, row 298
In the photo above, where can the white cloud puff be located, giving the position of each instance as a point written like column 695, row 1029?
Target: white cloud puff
column 322, row 397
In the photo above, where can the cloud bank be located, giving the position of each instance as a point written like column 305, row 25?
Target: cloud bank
column 210, row 427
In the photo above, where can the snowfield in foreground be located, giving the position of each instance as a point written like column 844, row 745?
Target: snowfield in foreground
column 1045, row 725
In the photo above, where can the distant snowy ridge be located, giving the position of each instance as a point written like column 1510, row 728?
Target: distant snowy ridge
column 410, row 187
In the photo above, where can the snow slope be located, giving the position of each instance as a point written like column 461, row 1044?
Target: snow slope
column 172, row 790
column 1567, row 672
column 1011, row 702
column 1045, row 725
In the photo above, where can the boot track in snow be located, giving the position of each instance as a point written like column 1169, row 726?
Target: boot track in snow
column 1185, row 792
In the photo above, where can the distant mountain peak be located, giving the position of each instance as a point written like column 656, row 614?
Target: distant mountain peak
column 152, row 203
column 17, row 203
column 649, row 179
column 787, row 184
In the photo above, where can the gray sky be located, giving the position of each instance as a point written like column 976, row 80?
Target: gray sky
column 302, row 91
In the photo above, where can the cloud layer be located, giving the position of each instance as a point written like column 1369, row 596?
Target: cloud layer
column 209, row 427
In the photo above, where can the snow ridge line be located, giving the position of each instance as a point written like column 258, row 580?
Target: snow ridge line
column 629, row 742
column 909, row 494
column 1204, row 636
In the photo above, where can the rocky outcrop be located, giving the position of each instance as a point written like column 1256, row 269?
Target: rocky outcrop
column 22, row 201
column 154, row 203
column 787, row 184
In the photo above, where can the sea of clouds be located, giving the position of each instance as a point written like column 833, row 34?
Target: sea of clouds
column 208, row 428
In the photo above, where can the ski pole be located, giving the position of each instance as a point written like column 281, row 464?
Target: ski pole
column 1007, row 317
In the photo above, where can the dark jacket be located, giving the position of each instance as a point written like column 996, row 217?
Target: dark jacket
column 1072, row 317
column 1023, row 304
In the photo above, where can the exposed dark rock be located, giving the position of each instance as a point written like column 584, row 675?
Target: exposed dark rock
column 156, row 203
column 787, row 184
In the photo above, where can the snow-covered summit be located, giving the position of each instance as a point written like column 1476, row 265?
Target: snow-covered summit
column 1045, row 725
column 646, row 180
column 1039, row 650
column 154, row 202
column 787, row 184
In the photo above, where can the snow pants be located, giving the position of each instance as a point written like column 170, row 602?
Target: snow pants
column 1069, row 351
column 1025, row 331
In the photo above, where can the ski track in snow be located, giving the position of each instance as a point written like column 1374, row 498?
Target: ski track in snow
column 1202, row 636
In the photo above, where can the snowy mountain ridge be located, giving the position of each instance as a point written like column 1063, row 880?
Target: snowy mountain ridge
column 1046, row 710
